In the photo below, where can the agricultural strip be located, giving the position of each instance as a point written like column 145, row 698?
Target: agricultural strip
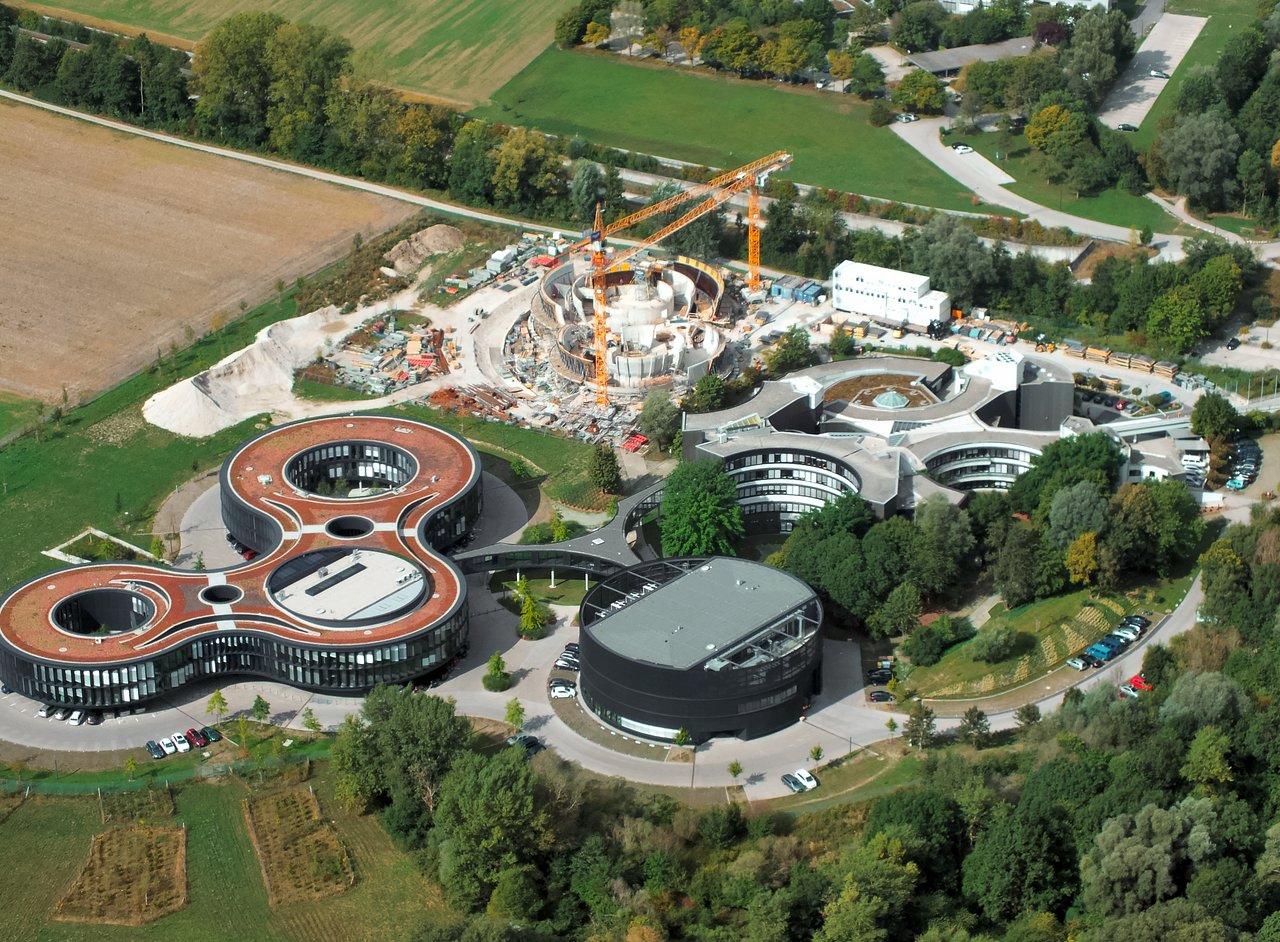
column 721, row 122
column 300, row 853
column 133, row 876
column 119, row 247
column 458, row 51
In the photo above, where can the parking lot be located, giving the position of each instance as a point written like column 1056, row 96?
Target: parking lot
column 1136, row 89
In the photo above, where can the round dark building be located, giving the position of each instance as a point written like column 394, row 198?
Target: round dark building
column 714, row 646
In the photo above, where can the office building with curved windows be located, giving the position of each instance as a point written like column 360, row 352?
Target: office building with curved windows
column 895, row 430
column 712, row 646
column 350, row 516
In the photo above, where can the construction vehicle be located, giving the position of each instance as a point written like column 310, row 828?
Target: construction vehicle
column 1044, row 345
column 709, row 196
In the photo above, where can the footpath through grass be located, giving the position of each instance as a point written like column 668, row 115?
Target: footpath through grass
column 721, row 122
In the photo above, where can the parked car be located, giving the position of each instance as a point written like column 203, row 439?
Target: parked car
column 1158, row 73
column 196, row 739
column 180, row 741
column 1117, row 640
column 1102, row 652
column 1078, row 663
column 881, row 696
column 793, row 783
column 806, row 779
column 94, row 718
column 1128, row 128
column 1138, row 682
column 572, row 648
column 962, row 148
column 880, row 676
column 46, row 711
column 532, row 746
column 563, row 693
column 167, row 745
column 61, row 713
column 1090, row 659
column 1139, row 620
column 211, row 734
column 906, row 118
column 76, row 717
column 1128, row 633
column 1128, row 691
column 566, row 665
column 1233, row 343
column 153, row 747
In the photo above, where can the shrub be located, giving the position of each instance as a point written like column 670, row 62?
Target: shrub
column 881, row 114
column 994, row 644
column 928, row 643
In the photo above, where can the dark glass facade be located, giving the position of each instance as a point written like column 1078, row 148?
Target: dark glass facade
column 655, row 701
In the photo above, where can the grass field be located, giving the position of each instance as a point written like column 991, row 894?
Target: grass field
column 227, row 900
column 16, row 413
column 119, row 247
column 1112, row 206
column 456, row 50
column 134, row 875
column 720, row 122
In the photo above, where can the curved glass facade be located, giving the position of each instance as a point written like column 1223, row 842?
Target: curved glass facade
column 776, row 488
column 980, row 467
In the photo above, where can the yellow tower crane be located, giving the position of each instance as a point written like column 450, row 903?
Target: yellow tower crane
column 710, row 195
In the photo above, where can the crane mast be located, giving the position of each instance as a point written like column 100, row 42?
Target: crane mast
column 710, row 196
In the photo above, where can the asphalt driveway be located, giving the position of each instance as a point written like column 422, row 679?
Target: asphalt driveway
column 1136, row 90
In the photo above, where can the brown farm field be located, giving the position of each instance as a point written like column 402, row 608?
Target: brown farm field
column 116, row 246
column 133, row 876
column 454, row 51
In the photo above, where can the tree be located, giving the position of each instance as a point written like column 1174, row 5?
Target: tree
column 1076, row 510
column 487, row 821
column 866, row 76
column 130, row 767
column 975, row 728
column 899, row 615
column 526, row 172
column 242, row 733
column 921, row 726
column 1082, row 558
column 306, row 63
column 597, row 34
column 919, row 91
column 735, row 769
column 559, row 533
column 496, row 678
column 946, row 546
column 584, row 191
column 1022, row 861
column 707, row 395
column 261, row 709
column 994, row 643
column 1213, row 416
column 533, row 619
column 1136, row 861
column 918, row 27
column 232, row 69
column 427, row 134
column 472, row 164
column 604, row 471
column 815, row 755
column 700, row 515
column 217, row 706
column 1201, row 152
column 1207, row 767
column 682, row 737
column 953, row 256
column 1207, row 699
column 1027, row 716
column 733, row 46
column 659, row 419
column 309, row 721
column 1100, row 42
column 790, row 352
column 1015, row 580
column 515, row 713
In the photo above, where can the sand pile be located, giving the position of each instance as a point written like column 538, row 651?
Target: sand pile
column 407, row 255
column 253, row 380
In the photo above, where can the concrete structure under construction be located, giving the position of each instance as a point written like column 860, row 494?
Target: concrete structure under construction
column 660, row 318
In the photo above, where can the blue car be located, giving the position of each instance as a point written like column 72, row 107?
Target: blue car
column 1102, row 652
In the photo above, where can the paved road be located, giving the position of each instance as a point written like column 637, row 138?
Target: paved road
column 1147, row 17
column 1135, row 91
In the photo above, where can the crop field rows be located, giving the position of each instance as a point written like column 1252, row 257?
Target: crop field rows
column 459, row 51
column 134, row 875
column 301, row 855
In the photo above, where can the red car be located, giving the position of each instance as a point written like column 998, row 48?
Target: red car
column 196, row 738
column 1138, row 682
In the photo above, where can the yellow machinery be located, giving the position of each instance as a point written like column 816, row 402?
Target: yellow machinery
column 710, row 196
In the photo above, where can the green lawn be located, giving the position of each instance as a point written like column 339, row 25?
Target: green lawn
column 324, row 392
column 458, row 50
column 16, row 412
column 1112, row 206
column 721, row 122
column 569, row 588
column 227, row 900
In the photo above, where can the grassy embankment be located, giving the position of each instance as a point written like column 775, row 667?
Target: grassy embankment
column 722, row 122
